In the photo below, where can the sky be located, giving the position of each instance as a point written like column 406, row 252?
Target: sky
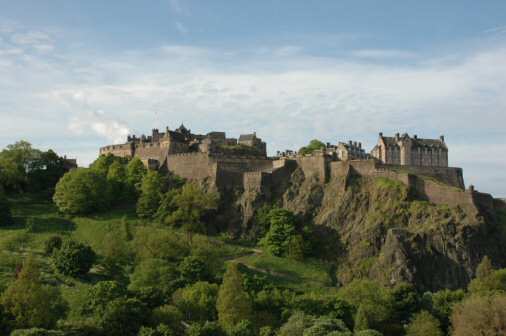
column 77, row 75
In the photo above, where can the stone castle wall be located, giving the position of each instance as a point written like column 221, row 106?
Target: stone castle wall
column 124, row 150
column 192, row 166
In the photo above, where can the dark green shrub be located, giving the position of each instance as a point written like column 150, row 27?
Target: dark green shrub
column 5, row 211
column 51, row 244
column 73, row 258
column 193, row 269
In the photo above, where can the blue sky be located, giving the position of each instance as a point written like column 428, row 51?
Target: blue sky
column 75, row 75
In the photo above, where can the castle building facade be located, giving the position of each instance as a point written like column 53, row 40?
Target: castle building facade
column 411, row 151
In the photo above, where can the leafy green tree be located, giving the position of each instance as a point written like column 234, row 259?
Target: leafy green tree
column 51, row 244
column 123, row 317
column 167, row 315
column 82, row 191
column 313, row 146
column 29, row 302
column 73, row 258
column 99, row 295
column 151, row 195
column 494, row 282
column 15, row 162
column 191, row 204
column 197, row 301
column 374, row 302
column 193, row 269
column 45, row 171
column 480, row 315
column 296, row 247
column 406, row 302
column 243, row 328
column 5, row 210
column 267, row 331
column 161, row 330
column 135, row 173
column 233, row 304
column 324, row 326
column 424, row 324
column 117, row 178
column 206, row 329
column 102, row 164
column 155, row 273
column 282, row 228
column 442, row 304
column 296, row 324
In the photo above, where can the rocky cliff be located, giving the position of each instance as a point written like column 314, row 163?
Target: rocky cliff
column 388, row 228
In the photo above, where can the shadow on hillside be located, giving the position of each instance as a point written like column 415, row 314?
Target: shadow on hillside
column 43, row 225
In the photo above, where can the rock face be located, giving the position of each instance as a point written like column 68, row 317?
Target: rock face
column 389, row 225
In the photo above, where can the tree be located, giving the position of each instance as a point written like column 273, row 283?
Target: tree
column 151, row 195
column 406, row 302
column 424, row 324
column 313, row 146
column 243, row 328
column 31, row 303
column 193, row 269
column 82, row 191
column 493, row 282
column 5, row 210
column 117, row 178
column 135, row 173
column 206, row 329
column 99, row 295
column 102, row 164
column 296, row 247
column 197, row 301
column 368, row 332
column 52, row 244
column 192, row 203
column 155, row 273
column 160, row 330
column 485, row 268
column 281, row 230
column 37, row 332
column 123, row 317
column 442, row 303
column 375, row 302
column 167, row 315
column 15, row 161
column 324, row 326
column 480, row 315
column 296, row 324
column 73, row 258
column 233, row 304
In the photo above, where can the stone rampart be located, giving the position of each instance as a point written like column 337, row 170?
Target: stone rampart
column 192, row 166
column 314, row 166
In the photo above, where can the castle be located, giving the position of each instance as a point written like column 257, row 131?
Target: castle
column 229, row 163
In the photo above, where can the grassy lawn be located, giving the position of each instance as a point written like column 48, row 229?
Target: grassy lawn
column 289, row 273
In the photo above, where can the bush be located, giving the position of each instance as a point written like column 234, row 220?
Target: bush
column 161, row 330
column 424, row 324
column 51, row 244
column 206, row 329
column 73, row 258
column 193, row 269
column 37, row 332
column 368, row 332
column 123, row 317
column 82, row 191
column 5, row 211
column 313, row 146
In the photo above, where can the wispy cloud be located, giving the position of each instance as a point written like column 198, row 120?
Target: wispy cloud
column 180, row 27
column 383, row 54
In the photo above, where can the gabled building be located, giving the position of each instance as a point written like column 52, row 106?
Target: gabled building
column 411, row 151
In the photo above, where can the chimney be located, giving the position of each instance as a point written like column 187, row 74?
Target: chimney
column 415, row 136
column 442, row 137
column 360, row 145
column 397, row 136
column 381, row 134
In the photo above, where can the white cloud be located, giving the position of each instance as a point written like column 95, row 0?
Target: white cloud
column 112, row 130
